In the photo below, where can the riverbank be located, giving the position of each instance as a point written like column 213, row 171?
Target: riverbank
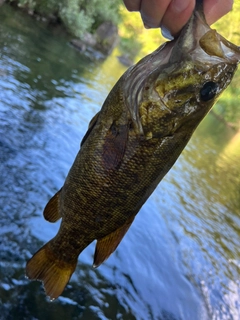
column 127, row 33
column 92, row 24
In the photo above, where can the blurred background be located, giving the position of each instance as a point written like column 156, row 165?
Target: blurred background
column 180, row 259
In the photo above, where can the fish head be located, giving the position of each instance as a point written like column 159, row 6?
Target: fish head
column 197, row 67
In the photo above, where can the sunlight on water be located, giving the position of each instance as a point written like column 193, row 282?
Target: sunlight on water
column 179, row 260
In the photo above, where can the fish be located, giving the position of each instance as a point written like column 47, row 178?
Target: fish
column 131, row 143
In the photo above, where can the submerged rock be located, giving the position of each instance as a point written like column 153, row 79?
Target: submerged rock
column 104, row 40
column 107, row 37
column 125, row 60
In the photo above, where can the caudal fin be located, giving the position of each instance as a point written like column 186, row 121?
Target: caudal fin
column 54, row 273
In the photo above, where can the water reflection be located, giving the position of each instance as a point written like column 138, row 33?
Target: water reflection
column 209, row 217
column 179, row 260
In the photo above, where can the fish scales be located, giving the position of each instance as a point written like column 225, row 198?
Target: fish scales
column 143, row 126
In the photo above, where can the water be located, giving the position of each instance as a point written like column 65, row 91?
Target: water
column 179, row 260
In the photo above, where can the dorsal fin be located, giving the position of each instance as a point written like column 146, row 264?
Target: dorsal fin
column 51, row 212
column 108, row 244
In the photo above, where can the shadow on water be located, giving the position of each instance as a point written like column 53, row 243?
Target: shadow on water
column 180, row 259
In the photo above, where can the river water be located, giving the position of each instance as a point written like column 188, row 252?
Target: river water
column 179, row 260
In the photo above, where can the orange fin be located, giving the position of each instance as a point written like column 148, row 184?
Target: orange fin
column 51, row 212
column 90, row 127
column 54, row 273
column 114, row 145
column 108, row 244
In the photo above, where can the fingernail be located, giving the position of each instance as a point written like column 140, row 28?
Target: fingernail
column 166, row 33
column 180, row 5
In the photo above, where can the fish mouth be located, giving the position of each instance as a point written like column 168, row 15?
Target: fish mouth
column 198, row 41
column 216, row 45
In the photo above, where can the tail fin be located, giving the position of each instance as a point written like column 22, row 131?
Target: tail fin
column 54, row 273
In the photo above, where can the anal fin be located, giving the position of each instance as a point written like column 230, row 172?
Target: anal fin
column 105, row 246
column 51, row 212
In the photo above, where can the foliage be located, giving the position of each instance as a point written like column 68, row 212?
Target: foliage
column 228, row 106
column 136, row 41
column 228, row 26
column 82, row 15
column 79, row 16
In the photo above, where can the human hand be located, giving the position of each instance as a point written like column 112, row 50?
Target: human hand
column 172, row 15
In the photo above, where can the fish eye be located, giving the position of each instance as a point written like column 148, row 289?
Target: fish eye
column 208, row 91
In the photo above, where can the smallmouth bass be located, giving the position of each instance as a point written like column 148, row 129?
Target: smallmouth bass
column 143, row 126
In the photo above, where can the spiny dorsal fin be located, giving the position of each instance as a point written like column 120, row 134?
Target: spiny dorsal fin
column 108, row 244
column 54, row 274
column 51, row 212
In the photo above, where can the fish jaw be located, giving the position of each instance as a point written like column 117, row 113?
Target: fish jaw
column 216, row 45
column 197, row 37
column 168, row 88
column 186, row 77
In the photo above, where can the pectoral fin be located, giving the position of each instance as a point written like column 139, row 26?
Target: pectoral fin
column 51, row 212
column 108, row 244
column 114, row 145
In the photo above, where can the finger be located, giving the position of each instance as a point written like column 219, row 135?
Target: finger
column 215, row 9
column 177, row 15
column 152, row 12
column 132, row 5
